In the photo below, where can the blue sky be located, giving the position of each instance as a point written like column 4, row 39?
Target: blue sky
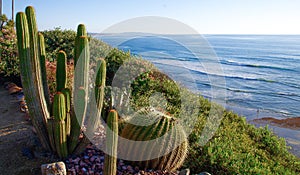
column 205, row 16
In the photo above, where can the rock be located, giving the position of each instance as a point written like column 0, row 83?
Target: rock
column 184, row 172
column 57, row 168
column 204, row 173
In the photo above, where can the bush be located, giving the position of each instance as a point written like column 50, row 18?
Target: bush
column 9, row 63
column 58, row 39
column 240, row 148
column 114, row 59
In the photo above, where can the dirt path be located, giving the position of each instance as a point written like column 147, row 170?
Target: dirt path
column 16, row 138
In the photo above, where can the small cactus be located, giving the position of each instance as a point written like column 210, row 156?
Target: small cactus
column 61, row 71
column 59, row 113
column 110, row 160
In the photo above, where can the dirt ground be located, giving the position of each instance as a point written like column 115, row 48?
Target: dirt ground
column 20, row 153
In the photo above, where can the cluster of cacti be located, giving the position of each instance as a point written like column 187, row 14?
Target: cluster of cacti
column 167, row 152
column 57, row 125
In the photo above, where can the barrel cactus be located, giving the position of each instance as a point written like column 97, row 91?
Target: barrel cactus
column 149, row 124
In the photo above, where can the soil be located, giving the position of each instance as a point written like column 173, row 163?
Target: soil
column 20, row 151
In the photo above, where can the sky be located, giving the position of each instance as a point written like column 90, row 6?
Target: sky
column 204, row 16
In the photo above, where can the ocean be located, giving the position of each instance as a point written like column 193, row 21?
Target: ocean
column 260, row 72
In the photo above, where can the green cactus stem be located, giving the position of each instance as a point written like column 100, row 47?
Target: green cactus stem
column 67, row 94
column 30, row 77
column 78, row 113
column 61, row 71
column 110, row 160
column 59, row 107
column 50, row 128
column 82, row 67
column 81, row 31
column 42, row 52
column 159, row 125
column 60, row 138
column 94, row 119
column 59, row 113
column 35, row 60
column 81, row 78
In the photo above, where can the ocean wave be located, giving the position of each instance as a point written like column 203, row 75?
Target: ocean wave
column 258, row 66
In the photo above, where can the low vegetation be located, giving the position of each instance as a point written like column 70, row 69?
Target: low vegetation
column 236, row 148
column 9, row 63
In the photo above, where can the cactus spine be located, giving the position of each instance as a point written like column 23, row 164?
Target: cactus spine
column 160, row 125
column 110, row 160
column 61, row 71
column 59, row 113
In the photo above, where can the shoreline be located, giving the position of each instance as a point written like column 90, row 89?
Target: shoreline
column 287, row 128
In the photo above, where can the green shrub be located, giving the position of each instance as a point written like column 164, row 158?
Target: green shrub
column 240, row 148
column 9, row 63
column 114, row 59
column 98, row 49
column 58, row 39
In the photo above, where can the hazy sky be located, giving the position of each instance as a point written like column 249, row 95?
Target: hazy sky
column 205, row 16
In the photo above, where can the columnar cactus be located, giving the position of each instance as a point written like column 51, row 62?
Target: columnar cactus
column 30, row 76
column 147, row 125
column 99, row 93
column 60, row 135
column 110, row 160
column 42, row 52
column 67, row 94
column 60, row 132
